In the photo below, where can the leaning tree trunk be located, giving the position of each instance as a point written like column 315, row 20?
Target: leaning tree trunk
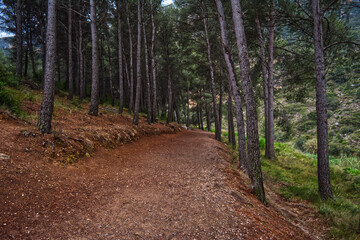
column 322, row 126
column 94, row 105
column 212, row 77
column 148, row 88
column 131, row 69
column 120, row 49
column 153, row 65
column 70, row 62
column 47, row 104
column 253, row 150
column 271, row 149
column 19, row 41
column 234, row 87
column 138, row 67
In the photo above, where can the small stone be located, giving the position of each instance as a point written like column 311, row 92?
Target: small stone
column 87, row 155
column 4, row 156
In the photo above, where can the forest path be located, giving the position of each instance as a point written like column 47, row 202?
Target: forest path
column 172, row 186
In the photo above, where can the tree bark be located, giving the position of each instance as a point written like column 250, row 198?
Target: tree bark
column 110, row 74
column 213, row 92
column 148, row 89
column 47, row 104
column 81, row 66
column 31, row 49
column 322, row 126
column 233, row 82
column 70, row 62
column 120, row 49
column 271, row 149
column 138, row 66
column 208, row 121
column 170, row 93
column 231, row 131
column 153, row 65
column 187, row 105
column 94, row 105
column 253, row 150
column 19, row 39
column 131, row 69
column 265, row 84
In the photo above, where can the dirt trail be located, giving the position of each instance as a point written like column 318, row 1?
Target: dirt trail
column 172, row 186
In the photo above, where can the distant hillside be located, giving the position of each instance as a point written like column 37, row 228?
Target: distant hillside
column 5, row 42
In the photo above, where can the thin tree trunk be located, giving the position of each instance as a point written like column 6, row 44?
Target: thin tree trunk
column 131, row 104
column 265, row 84
column 30, row 44
column 120, row 49
column 271, row 149
column 138, row 66
column 47, row 104
column 187, row 105
column 148, row 88
column 208, row 122
column 81, row 67
column 94, row 104
column 170, row 94
column 234, row 87
column 110, row 74
column 77, row 81
column 102, row 80
column 153, row 65
column 70, row 62
column 322, row 126
column 26, row 60
column 231, row 131
column 213, row 92
column 221, row 99
column 127, row 78
column 19, row 39
column 253, row 150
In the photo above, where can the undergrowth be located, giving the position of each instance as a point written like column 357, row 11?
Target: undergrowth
column 297, row 173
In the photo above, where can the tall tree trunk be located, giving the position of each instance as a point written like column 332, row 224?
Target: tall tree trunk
column 148, row 88
column 231, row 131
column 253, row 150
column 70, row 62
column 153, row 64
column 208, row 121
column 94, row 104
column 102, row 80
column 120, row 49
column 47, row 104
column 265, row 84
column 110, row 74
column 19, row 39
column 221, row 89
column 81, row 66
column 31, row 49
column 127, row 96
column 187, row 105
column 170, row 93
column 138, row 66
column 234, row 87
column 271, row 149
column 213, row 92
column 322, row 126
column 131, row 104
column 26, row 60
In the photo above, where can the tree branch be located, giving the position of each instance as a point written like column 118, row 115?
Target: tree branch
column 342, row 42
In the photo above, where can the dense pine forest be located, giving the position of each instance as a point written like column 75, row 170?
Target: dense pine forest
column 278, row 82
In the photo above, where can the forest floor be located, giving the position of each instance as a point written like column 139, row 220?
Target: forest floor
column 81, row 182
